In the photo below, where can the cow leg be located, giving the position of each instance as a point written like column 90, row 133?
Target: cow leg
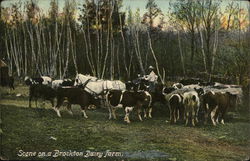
column 217, row 119
column 187, row 117
column 57, row 111
column 139, row 113
column 127, row 111
column 207, row 113
column 59, row 104
column 173, row 115
column 170, row 114
column 69, row 109
column 84, row 113
column 30, row 101
column 113, row 113
column 213, row 113
column 193, row 117
column 223, row 113
column 145, row 113
column 150, row 112
column 110, row 112
column 177, row 114
column 196, row 114
column 222, row 121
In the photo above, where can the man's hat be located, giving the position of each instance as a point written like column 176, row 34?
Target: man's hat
column 150, row 67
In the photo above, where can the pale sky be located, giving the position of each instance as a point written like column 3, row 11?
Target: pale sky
column 133, row 4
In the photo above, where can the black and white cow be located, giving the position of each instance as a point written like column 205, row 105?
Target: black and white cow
column 128, row 100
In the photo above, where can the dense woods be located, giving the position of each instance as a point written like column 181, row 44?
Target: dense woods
column 194, row 39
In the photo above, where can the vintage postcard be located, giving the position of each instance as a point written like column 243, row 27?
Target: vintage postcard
column 125, row 80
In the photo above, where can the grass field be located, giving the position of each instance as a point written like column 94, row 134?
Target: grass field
column 40, row 130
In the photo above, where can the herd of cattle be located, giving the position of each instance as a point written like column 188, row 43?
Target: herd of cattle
column 185, row 99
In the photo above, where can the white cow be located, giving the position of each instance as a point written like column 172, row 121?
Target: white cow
column 191, row 106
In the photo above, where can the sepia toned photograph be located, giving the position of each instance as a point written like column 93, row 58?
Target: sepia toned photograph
column 125, row 80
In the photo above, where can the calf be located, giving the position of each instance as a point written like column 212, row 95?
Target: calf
column 128, row 100
column 41, row 91
column 158, row 95
column 75, row 95
column 191, row 106
column 216, row 104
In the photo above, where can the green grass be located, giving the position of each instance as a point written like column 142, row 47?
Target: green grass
column 31, row 129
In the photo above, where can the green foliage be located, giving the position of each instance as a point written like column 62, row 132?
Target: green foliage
column 153, row 11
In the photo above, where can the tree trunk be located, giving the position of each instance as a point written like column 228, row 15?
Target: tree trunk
column 181, row 54
column 156, row 62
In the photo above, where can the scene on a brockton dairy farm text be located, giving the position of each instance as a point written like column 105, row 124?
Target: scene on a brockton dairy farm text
column 125, row 80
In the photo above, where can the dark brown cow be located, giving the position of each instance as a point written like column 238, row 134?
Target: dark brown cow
column 128, row 100
column 75, row 95
column 41, row 91
column 217, row 104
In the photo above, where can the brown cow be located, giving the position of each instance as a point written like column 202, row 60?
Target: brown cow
column 217, row 104
column 75, row 95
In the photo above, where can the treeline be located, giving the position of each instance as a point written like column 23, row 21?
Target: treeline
column 195, row 39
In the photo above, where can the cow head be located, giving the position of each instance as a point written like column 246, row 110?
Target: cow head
column 200, row 91
column 167, row 90
column 28, row 81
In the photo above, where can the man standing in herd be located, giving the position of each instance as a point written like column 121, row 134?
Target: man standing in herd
column 151, row 78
